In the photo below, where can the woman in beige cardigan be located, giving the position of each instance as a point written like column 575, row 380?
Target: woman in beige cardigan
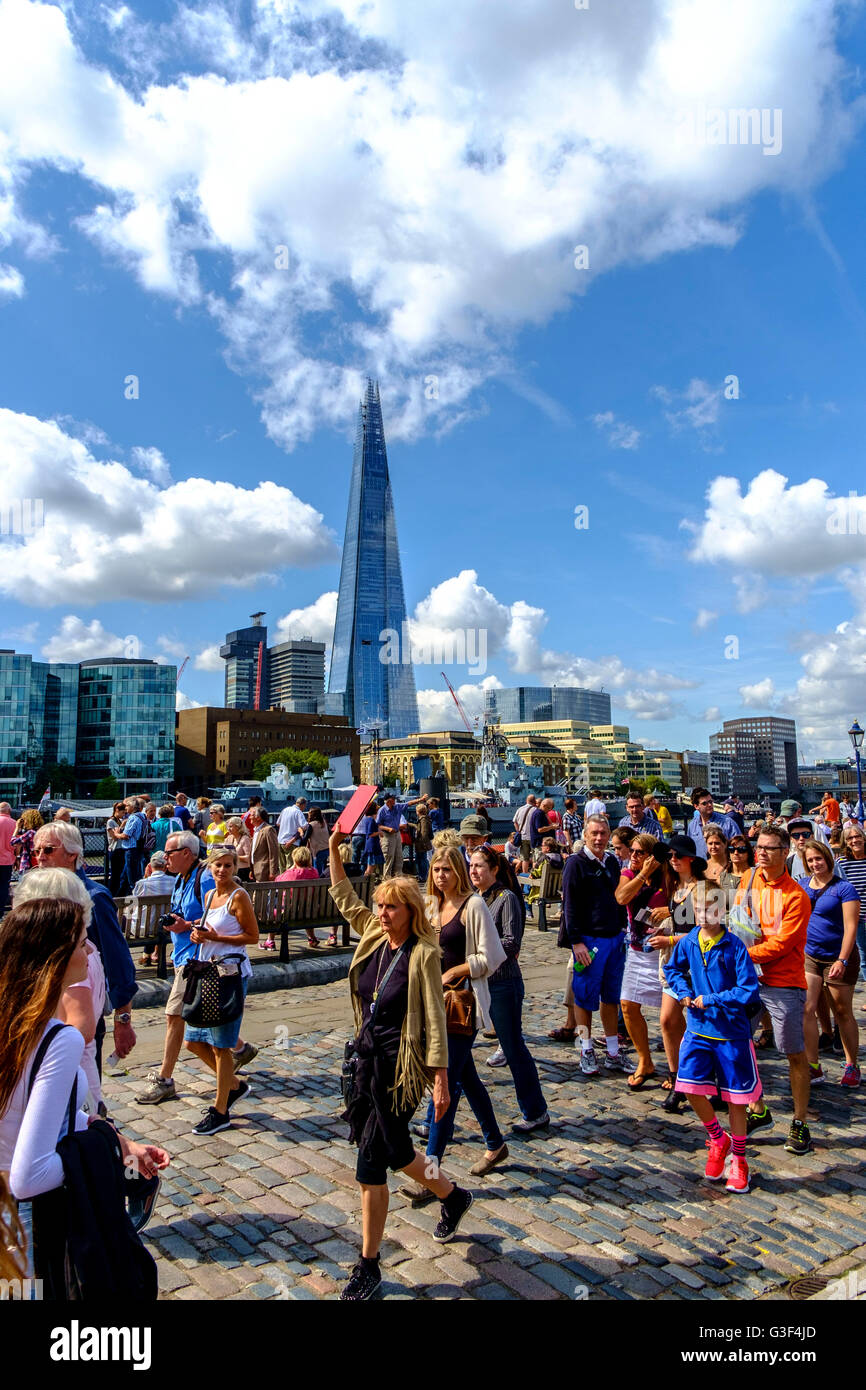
column 471, row 952
column 400, row 1051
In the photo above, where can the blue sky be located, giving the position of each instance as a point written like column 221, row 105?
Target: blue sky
column 429, row 183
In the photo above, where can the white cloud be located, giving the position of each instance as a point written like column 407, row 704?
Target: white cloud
column 182, row 701
column 76, row 640
column 315, row 621
column 472, row 169
column 170, row 647
column 437, row 710
column 697, row 407
column 759, row 695
column 620, row 435
column 152, row 463
column 209, row 659
column 704, row 618
column 108, row 531
column 711, row 715
column 11, row 281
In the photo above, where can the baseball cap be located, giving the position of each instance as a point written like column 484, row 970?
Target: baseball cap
column 790, row 808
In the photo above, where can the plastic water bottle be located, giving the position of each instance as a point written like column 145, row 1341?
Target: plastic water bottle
column 576, row 965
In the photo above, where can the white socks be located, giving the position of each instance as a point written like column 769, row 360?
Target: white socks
column 612, row 1045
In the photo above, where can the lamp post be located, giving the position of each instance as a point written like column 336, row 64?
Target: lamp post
column 855, row 733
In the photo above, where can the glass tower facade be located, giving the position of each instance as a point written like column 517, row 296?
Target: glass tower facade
column 243, row 652
column 522, row 704
column 370, row 692
column 38, row 717
column 126, row 722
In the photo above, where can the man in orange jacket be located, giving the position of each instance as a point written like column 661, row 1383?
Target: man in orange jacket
column 782, row 908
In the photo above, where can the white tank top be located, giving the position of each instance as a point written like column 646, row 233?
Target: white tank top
column 221, row 919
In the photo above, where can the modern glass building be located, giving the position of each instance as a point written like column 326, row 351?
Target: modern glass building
column 368, row 691
column 38, row 717
column 126, row 712
column 524, row 704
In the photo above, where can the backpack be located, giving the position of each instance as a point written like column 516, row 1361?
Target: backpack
column 85, row 1247
column 148, row 835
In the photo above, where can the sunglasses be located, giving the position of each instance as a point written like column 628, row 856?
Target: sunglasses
column 738, row 849
column 45, row 849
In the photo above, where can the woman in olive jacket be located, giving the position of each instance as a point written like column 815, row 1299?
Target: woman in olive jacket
column 401, row 1050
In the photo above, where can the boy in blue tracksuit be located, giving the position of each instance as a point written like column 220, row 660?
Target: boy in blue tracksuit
column 710, row 971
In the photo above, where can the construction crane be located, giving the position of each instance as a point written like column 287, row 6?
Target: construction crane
column 454, row 697
column 182, row 669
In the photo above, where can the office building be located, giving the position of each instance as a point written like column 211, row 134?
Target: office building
column 763, row 753
column 125, row 724
column 296, row 675
column 104, row 718
column 245, row 653
column 218, row 746
column 370, row 692
column 527, row 703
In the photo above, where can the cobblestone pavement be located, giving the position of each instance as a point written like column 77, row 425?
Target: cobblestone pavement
column 611, row 1205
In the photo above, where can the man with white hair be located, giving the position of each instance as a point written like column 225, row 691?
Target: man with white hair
column 7, row 854
column 63, row 814
column 59, row 846
column 291, row 824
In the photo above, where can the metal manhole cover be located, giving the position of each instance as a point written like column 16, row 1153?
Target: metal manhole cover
column 806, row 1287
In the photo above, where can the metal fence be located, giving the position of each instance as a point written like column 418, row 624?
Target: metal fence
column 95, row 853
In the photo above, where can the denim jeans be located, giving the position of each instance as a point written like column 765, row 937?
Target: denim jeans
column 134, row 861
column 462, row 1077
column 506, row 1003
column 422, row 860
column 321, row 861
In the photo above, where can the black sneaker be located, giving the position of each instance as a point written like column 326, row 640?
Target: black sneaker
column 799, row 1140
column 212, row 1122
column 243, row 1088
column 362, row 1282
column 758, row 1119
column 838, row 1049
column 825, row 1042
column 454, row 1208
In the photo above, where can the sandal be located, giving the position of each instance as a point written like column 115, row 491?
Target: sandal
column 638, row 1080
column 562, row 1034
column 674, row 1098
column 764, row 1038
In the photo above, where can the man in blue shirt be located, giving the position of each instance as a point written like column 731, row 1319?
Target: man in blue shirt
column 59, row 846
column 702, row 801
column 388, row 820
column 134, row 857
column 181, row 811
column 640, row 818
column 192, row 884
column 437, row 815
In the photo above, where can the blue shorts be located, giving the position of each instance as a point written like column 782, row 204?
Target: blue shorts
column 372, row 857
column 600, row 982
column 226, row 1035
column 732, row 1064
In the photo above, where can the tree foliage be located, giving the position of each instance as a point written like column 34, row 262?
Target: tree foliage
column 295, row 759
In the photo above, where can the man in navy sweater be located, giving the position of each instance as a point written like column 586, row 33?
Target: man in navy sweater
column 594, row 927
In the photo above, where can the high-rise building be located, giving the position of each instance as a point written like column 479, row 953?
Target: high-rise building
column 523, row 704
column 763, row 753
column 370, row 692
column 296, row 675
column 245, row 654
column 104, row 718
column 218, row 746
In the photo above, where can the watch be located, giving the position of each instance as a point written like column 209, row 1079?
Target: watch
column 123, row 1018
column 843, row 960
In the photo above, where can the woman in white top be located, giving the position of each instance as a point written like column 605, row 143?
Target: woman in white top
column 43, row 951
column 228, row 927
column 83, row 1003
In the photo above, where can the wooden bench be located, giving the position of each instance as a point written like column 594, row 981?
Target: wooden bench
column 303, row 905
column 138, row 919
column 549, row 887
column 279, row 907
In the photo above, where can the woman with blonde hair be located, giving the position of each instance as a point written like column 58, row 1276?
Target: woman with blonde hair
column 215, row 831
column 446, row 839
column 400, row 1050
column 471, row 952
column 227, row 927
column 238, row 838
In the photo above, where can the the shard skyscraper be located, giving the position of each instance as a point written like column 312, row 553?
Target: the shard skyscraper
column 372, row 692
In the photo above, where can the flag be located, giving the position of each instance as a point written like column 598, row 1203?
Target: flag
column 46, row 795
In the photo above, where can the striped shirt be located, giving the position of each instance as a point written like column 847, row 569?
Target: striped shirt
column 855, row 872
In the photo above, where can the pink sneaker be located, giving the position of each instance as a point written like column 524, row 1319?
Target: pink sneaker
column 738, row 1178
column 269, row 945
column 715, row 1169
column 850, row 1076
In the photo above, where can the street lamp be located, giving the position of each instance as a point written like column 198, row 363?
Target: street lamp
column 855, row 733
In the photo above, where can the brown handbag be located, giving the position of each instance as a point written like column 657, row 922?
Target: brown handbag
column 460, row 1009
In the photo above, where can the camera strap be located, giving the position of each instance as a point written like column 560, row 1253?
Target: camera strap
column 380, row 989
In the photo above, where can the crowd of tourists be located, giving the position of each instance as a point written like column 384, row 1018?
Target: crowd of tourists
column 740, row 939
